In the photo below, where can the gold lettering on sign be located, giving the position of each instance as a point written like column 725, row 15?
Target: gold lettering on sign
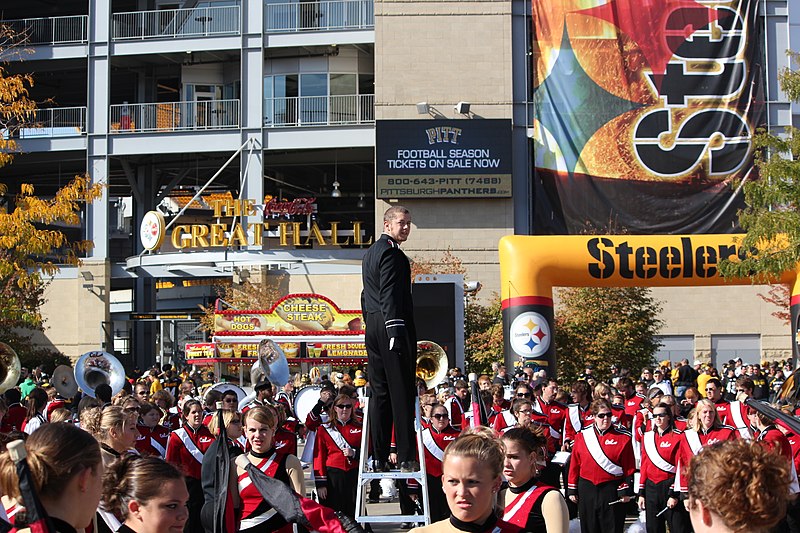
column 335, row 235
column 315, row 233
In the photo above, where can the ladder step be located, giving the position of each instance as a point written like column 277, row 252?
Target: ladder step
column 392, row 474
column 390, row 519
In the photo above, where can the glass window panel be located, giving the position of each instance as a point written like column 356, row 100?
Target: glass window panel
column 313, row 85
column 343, row 84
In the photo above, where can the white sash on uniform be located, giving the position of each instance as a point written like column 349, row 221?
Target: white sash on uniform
column 518, row 504
column 652, row 453
column 247, row 523
column 158, row 447
column 189, row 444
column 431, row 446
column 575, row 418
column 735, row 410
column 597, row 453
column 694, row 441
column 337, row 437
column 243, row 484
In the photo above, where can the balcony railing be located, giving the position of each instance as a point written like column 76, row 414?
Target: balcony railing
column 319, row 110
column 175, row 116
column 50, row 30
column 51, row 122
column 325, row 15
column 176, row 23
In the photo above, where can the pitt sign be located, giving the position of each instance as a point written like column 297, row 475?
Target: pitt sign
column 531, row 266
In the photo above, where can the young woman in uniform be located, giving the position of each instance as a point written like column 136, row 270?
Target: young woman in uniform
column 67, row 474
column 257, row 516
column 527, row 503
column 114, row 428
column 471, row 477
column 147, row 493
column 34, row 419
column 336, row 453
column 152, row 439
column 185, row 449
column 435, row 440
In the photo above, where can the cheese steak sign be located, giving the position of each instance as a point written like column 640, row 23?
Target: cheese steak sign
column 443, row 158
column 296, row 314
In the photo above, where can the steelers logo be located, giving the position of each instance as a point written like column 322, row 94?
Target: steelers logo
column 529, row 335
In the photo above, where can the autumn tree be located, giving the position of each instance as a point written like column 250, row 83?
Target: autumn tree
column 605, row 326
column 771, row 218
column 31, row 248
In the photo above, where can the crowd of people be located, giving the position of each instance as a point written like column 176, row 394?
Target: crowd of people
column 543, row 451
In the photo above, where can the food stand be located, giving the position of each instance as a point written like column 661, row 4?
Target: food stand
column 310, row 328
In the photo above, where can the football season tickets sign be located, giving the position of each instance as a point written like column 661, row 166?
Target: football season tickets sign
column 644, row 113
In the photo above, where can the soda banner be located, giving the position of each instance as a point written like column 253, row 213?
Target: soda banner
column 295, row 314
column 644, row 113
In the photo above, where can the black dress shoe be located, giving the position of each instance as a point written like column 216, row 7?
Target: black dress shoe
column 380, row 466
column 409, row 466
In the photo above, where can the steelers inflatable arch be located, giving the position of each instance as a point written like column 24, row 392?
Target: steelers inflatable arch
column 530, row 266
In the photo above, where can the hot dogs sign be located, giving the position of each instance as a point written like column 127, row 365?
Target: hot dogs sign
column 293, row 315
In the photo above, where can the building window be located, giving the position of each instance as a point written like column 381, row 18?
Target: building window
column 727, row 347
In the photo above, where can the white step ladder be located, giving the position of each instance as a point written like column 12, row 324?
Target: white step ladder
column 365, row 475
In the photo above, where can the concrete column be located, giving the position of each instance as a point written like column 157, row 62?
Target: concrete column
column 144, row 291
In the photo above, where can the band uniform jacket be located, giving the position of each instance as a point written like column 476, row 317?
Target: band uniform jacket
column 14, row 418
column 794, row 442
column 613, row 461
column 692, row 442
column 285, row 441
column 152, row 441
column 659, row 456
column 386, row 274
column 633, row 404
column 456, row 412
column 523, row 505
column 723, row 410
column 577, row 419
column 435, row 443
column 328, row 446
column 56, row 403
column 556, row 413
column 186, row 447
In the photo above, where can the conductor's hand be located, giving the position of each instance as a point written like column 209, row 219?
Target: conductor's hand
column 641, row 503
column 573, row 499
column 322, row 492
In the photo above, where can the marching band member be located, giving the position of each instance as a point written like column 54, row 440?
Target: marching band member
column 528, row 503
column 171, row 418
column 737, row 410
column 263, row 390
column 471, row 469
column 660, row 447
column 714, row 392
column 709, row 430
column 229, row 399
column 435, row 440
column 601, row 472
column 769, row 436
column 34, row 418
column 286, row 435
column 457, row 404
column 579, row 414
column 152, row 439
column 185, row 449
column 642, row 421
column 114, row 428
column 54, row 401
column 147, row 493
column 507, row 418
column 233, row 428
column 336, row 453
column 15, row 415
column 633, row 400
column 426, row 402
column 499, row 402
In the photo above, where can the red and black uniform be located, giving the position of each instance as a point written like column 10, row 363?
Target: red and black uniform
column 152, row 440
column 692, row 442
column 657, row 479
column 633, row 404
column 620, row 418
column 578, row 417
column 172, row 421
column 332, row 469
column 600, row 472
column 257, row 515
column 285, row 441
column 456, row 412
column 772, row 439
column 435, row 443
column 794, row 442
column 56, row 403
column 496, row 408
column 14, row 418
column 185, row 449
column 454, row 525
column 523, row 505
column 723, row 410
column 737, row 417
column 556, row 413
column 505, row 419
column 641, row 424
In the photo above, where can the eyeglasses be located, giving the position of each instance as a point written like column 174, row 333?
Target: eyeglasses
column 661, row 415
column 523, row 395
column 142, row 393
column 525, row 412
column 440, row 416
column 604, row 415
column 344, row 406
column 711, row 389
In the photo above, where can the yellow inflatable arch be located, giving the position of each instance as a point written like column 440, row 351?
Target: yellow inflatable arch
column 530, row 266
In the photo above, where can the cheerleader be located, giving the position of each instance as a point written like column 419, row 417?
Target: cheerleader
column 257, row 517
column 528, row 503
column 152, row 439
column 185, row 449
column 471, row 469
column 336, row 452
column 435, row 440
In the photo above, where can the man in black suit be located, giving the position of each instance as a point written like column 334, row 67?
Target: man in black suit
column 391, row 341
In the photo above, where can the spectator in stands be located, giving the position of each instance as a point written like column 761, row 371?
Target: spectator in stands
column 687, row 377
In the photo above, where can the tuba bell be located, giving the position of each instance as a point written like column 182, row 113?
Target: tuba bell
column 10, row 368
column 431, row 363
column 95, row 368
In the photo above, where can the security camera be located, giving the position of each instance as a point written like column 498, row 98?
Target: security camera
column 471, row 287
column 462, row 108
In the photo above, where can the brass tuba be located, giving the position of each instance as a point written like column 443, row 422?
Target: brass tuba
column 9, row 367
column 431, row 363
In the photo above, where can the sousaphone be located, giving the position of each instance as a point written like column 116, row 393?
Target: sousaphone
column 95, row 368
column 64, row 381
column 9, row 367
column 431, row 363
